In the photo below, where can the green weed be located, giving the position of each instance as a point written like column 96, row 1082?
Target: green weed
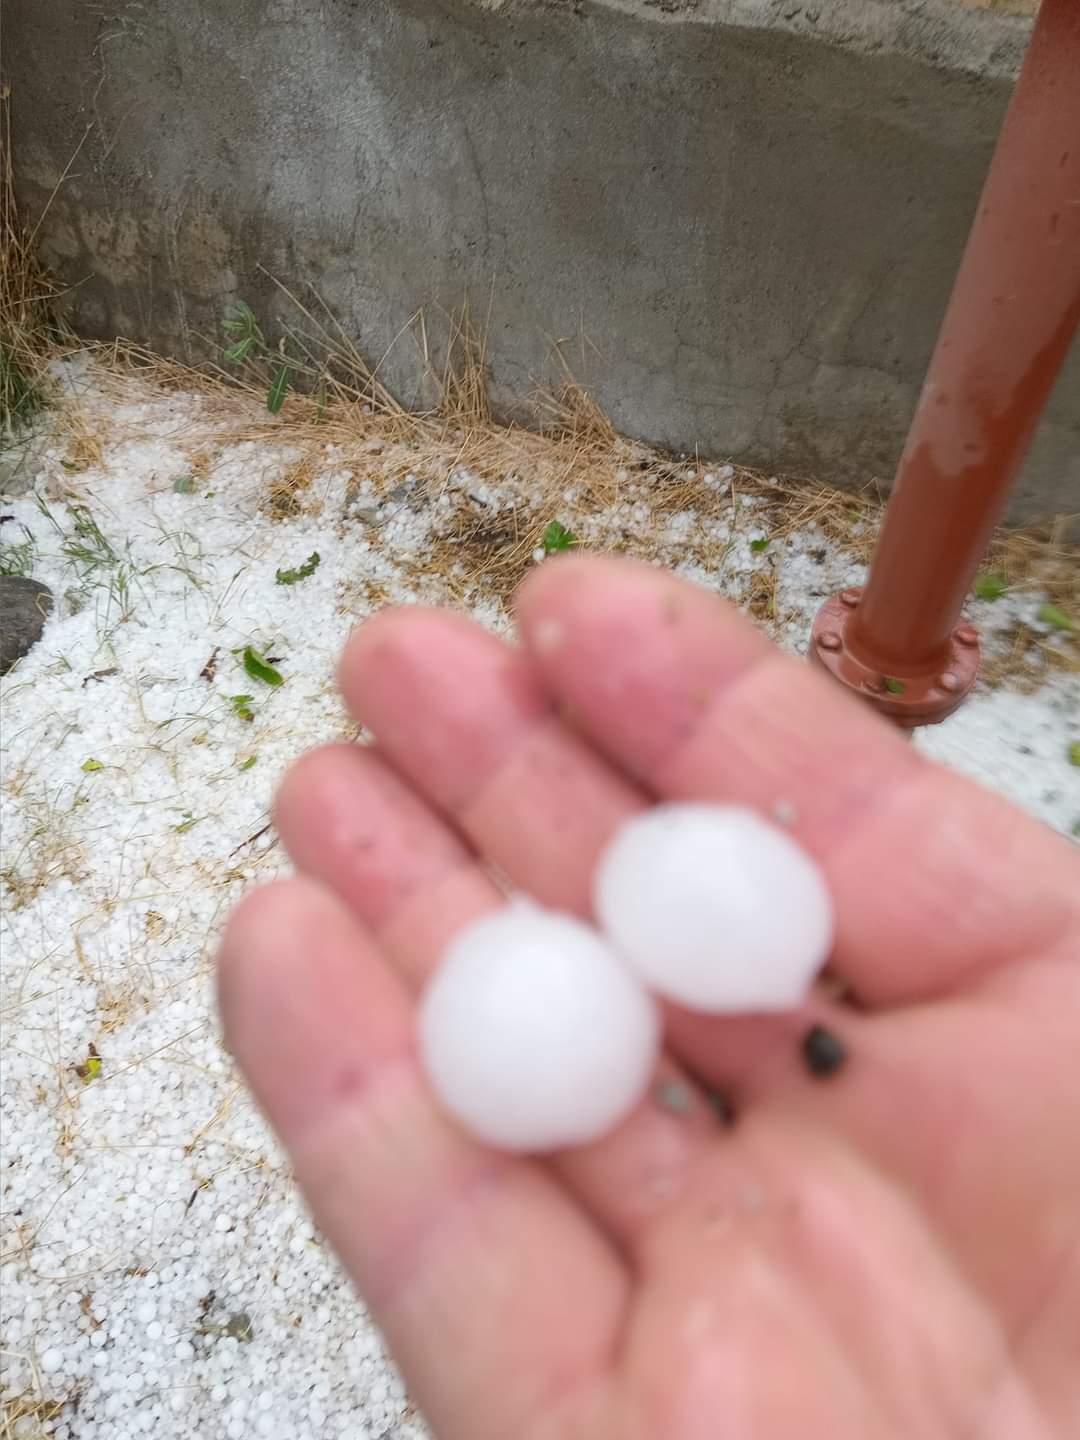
column 990, row 587
column 18, row 558
column 290, row 577
column 247, row 343
column 557, row 537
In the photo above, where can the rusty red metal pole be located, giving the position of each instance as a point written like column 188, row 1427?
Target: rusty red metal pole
column 1013, row 311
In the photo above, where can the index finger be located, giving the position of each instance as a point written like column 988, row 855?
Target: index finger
column 936, row 881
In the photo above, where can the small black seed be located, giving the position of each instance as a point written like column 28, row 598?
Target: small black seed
column 823, row 1052
column 721, row 1107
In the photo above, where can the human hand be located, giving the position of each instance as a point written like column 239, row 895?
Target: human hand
column 893, row 1251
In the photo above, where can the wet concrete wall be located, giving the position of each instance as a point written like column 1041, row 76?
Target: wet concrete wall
column 742, row 217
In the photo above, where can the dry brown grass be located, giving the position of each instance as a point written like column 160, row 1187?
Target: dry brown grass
column 85, row 441
column 286, row 497
column 1038, row 560
column 22, row 1417
column 28, row 329
column 572, row 469
column 48, row 853
column 463, row 382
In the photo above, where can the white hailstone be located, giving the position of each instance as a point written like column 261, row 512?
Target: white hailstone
column 532, row 1034
column 714, row 908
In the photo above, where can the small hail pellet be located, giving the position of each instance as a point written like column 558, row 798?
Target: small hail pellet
column 532, row 1033
column 713, row 907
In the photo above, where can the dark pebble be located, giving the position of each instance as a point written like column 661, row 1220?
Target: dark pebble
column 24, row 608
column 823, row 1052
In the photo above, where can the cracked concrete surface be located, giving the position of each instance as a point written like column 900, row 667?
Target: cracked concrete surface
column 741, row 218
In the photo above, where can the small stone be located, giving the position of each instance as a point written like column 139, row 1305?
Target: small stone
column 24, row 607
column 239, row 1326
column 823, row 1052
column 673, row 1095
column 402, row 492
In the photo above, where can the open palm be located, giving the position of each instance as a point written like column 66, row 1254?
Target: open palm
column 893, row 1251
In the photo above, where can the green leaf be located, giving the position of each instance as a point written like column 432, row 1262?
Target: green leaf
column 275, row 396
column 260, row 669
column 758, row 546
column 183, row 485
column 894, row 687
column 1073, row 753
column 557, row 537
column 89, row 766
column 248, row 763
column 290, row 577
column 188, row 823
column 237, row 353
column 241, row 705
column 90, row 1069
column 240, row 320
column 990, row 587
column 1052, row 615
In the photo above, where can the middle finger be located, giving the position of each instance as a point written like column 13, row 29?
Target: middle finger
column 461, row 716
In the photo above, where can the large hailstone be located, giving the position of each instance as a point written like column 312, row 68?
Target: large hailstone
column 532, row 1033
column 714, row 908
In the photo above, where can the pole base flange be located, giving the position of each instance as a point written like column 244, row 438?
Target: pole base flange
column 907, row 700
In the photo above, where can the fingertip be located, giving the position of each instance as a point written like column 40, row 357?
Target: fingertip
column 303, row 782
column 561, row 580
column 250, row 943
column 390, row 636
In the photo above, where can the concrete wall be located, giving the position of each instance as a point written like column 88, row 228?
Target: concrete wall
column 752, row 209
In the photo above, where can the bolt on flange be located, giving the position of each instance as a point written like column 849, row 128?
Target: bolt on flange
column 907, row 699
